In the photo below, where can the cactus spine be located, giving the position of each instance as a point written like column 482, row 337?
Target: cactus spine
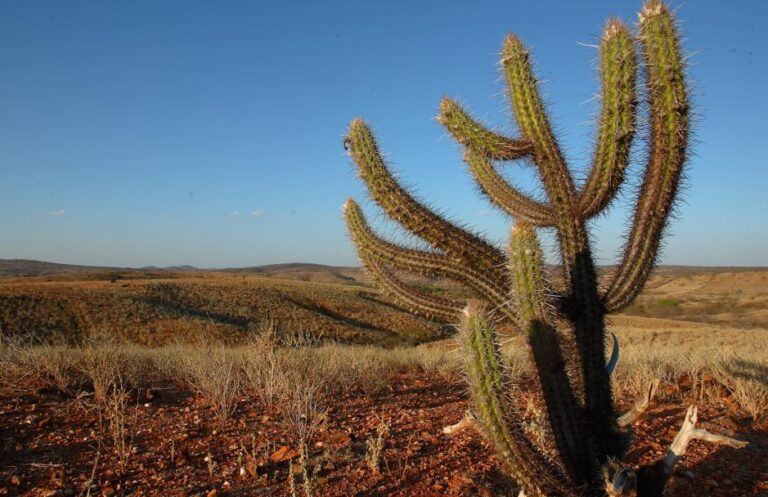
column 564, row 328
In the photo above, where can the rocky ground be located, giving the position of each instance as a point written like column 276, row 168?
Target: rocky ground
column 55, row 445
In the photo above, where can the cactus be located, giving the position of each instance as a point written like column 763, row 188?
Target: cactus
column 563, row 323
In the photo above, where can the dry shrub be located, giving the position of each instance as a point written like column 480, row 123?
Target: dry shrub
column 746, row 378
column 100, row 362
column 138, row 366
column 118, row 424
column 375, row 447
column 49, row 366
column 367, row 369
column 306, row 414
column 213, row 371
column 266, row 369
column 638, row 367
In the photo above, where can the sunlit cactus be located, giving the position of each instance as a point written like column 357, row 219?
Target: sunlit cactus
column 563, row 323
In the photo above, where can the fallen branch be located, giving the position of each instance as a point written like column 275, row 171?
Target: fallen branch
column 641, row 405
column 688, row 432
column 467, row 421
column 650, row 481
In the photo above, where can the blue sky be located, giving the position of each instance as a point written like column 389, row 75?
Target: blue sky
column 210, row 133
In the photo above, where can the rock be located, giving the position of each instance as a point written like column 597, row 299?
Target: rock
column 340, row 439
column 284, row 453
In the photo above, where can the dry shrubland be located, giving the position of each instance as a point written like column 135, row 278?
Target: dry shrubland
column 301, row 376
column 274, row 366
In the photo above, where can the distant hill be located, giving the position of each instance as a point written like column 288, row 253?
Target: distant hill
column 23, row 268
column 26, row 267
column 301, row 271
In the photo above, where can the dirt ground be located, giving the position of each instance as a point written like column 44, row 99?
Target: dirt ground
column 51, row 445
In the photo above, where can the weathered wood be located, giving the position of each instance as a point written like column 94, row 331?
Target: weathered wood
column 688, row 432
column 641, row 405
column 467, row 421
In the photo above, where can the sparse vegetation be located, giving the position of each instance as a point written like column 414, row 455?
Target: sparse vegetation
column 287, row 388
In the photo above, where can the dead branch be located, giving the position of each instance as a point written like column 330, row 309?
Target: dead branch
column 641, row 405
column 688, row 432
column 467, row 421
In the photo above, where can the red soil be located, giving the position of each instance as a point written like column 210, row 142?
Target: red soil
column 49, row 445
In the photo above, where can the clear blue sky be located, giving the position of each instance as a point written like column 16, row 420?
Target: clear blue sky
column 210, row 133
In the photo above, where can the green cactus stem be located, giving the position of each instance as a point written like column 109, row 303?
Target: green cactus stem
column 498, row 415
column 417, row 301
column 563, row 412
column 473, row 135
column 402, row 207
column 422, row 262
column 616, row 127
column 670, row 120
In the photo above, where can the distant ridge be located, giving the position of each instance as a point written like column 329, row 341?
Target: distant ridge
column 289, row 267
column 28, row 267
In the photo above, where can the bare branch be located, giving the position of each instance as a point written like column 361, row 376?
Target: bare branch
column 688, row 432
column 468, row 421
column 641, row 405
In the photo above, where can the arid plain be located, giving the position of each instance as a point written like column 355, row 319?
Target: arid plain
column 305, row 380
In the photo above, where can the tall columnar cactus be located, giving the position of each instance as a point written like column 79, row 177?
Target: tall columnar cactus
column 563, row 322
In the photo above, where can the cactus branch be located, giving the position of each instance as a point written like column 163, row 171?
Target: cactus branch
column 402, row 207
column 422, row 262
column 503, row 195
column 473, row 135
column 422, row 303
column 668, row 102
column 533, row 122
column 496, row 412
column 618, row 74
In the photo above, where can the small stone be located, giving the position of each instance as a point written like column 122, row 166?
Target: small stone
column 284, row 453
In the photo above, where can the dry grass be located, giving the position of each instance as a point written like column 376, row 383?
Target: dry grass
column 214, row 372
column 287, row 371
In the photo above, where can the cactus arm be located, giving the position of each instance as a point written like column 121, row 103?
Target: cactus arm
column 430, row 306
column 533, row 122
column 400, row 205
column 473, row 135
column 483, row 146
column 422, row 262
column 501, row 194
column 618, row 75
column 669, row 116
column 529, row 294
column 497, row 414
